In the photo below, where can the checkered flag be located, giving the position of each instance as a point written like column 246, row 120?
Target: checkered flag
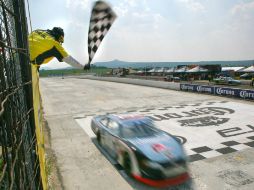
column 102, row 18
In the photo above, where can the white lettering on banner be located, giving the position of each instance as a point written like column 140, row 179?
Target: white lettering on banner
column 184, row 87
column 204, row 89
column 225, row 91
column 245, row 94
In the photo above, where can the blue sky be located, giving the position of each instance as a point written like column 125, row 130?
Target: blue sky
column 155, row 30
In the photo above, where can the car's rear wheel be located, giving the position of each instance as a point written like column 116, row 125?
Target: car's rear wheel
column 127, row 163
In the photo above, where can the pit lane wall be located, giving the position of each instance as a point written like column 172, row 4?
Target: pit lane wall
column 221, row 91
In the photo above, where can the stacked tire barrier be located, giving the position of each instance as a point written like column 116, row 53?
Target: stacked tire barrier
column 22, row 160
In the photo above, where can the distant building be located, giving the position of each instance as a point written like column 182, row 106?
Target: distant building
column 119, row 72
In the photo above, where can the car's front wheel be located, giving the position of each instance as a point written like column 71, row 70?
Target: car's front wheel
column 98, row 137
column 127, row 163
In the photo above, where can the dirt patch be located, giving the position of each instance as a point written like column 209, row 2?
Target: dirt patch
column 54, row 177
column 236, row 178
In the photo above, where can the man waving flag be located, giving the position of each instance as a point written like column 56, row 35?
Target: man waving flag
column 102, row 18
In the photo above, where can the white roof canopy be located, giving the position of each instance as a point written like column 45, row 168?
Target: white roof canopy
column 231, row 68
column 170, row 70
column 182, row 69
column 197, row 69
column 249, row 69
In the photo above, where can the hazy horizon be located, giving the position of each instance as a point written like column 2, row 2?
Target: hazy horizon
column 146, row 30
column 118, row 63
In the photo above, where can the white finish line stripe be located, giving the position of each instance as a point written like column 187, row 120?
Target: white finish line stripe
column 85, row 124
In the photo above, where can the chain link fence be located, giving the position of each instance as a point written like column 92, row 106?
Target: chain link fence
column 19, row 162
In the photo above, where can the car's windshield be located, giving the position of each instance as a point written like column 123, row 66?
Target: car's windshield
column 139, row 129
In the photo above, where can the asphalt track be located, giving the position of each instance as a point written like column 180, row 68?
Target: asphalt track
column 217, row 132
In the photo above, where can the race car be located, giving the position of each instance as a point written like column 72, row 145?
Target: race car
column 147, row 153
column 226, row 80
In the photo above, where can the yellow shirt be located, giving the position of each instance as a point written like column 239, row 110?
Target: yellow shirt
column 43, row 48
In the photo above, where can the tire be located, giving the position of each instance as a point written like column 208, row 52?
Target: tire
column 98, row 137
column 187, row 185
column 127, row 163
column 180, row 139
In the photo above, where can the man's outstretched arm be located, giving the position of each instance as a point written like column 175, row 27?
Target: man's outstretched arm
column 73, row 62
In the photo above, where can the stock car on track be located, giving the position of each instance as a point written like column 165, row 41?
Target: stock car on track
column 147, row 153
column 226, row 80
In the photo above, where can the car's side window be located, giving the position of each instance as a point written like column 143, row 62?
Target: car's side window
column 104, row 122
column 127, row 132
column 113, row 126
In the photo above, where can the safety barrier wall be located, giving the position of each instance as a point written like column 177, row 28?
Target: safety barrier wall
column 151, row 83
column 221, row 91
column 245, row 94
column 38, row 118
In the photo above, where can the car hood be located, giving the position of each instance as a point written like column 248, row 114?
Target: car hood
column 159, row 148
